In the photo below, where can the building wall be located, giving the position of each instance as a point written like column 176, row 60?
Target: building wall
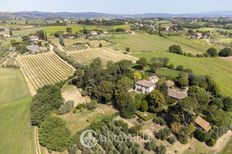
column 144, row 90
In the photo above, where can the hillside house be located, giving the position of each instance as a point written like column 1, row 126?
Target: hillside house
column 93, row 33
column 202, row 124
column 146, row 86
column 12, row 49
column 33, row 38
column 4, row 35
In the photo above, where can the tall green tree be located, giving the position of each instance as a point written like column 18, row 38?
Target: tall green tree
column 47, row 99
column 156, row 101
column 54, row 135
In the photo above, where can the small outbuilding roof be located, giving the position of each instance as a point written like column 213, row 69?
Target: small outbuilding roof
column 177, row 93
column 203, row 123
column 169, row 83
column 145, row 83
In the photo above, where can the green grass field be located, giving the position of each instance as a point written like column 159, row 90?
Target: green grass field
column 228, row 148
column 219, row 69
column 167, row 73
column 146, row 42
column 16, row 131
column 12, row 85
column 76, row 28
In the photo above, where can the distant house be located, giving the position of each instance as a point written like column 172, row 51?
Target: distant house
column 202, row 124
column 146, row 86
column 93, row 33
column 12, row 49
column 199, row 35
column 33, row 48
column 4, row 35
column 177, row 93
column 34, row 38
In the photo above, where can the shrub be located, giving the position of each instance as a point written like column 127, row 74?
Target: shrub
column 65, row 108
column 135, row 129
column 211, row 142
column 171, row 140
column 159, row 120
column 182, row 138
column 163, row 133
column 226, row 52
column 150, row 146
column 201, row 135
column 175, row 49
column 171, row 66
column 212, row 52
column 91, row 105
column 180, row 68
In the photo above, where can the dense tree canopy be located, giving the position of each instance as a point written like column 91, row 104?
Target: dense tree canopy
column 212, row 52
column 54, row 135
column 175, row 49
column 47, row 99
column 156, row 101
column 226, row 52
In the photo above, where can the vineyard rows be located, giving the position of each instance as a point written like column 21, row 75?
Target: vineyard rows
column 43, row 69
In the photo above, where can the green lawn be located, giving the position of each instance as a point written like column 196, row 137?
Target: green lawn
column 219, row 69
column 146, row 42
column 12, row 85
column 16, row 131
column 228, row 148
column 170, row 73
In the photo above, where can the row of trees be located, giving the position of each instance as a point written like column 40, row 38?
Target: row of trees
column 53, row 133
column 211, row 52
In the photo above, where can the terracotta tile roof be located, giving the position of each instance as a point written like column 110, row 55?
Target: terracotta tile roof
column 203, row 123
column 145, row 83
column 177, row 93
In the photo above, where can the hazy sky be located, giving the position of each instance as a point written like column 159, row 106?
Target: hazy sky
column 117, row 6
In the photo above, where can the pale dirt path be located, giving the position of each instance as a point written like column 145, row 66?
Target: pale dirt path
column 221, row 143
column 37, row 145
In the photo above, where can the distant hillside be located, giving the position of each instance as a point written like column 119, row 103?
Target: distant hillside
column 37, row 14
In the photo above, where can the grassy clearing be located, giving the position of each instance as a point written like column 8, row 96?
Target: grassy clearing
column 12, row 85
column 76, row 28
column 16, row 131
column 146, row 42
column 228, row 148
column 83, row 117
column 219, row 69
column 106, row 54
column 167, row 73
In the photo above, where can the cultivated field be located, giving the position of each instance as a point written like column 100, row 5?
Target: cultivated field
column 12, row 85
column 43, row 69
column 72, row 48
column 106, row 54
column 146, row 42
